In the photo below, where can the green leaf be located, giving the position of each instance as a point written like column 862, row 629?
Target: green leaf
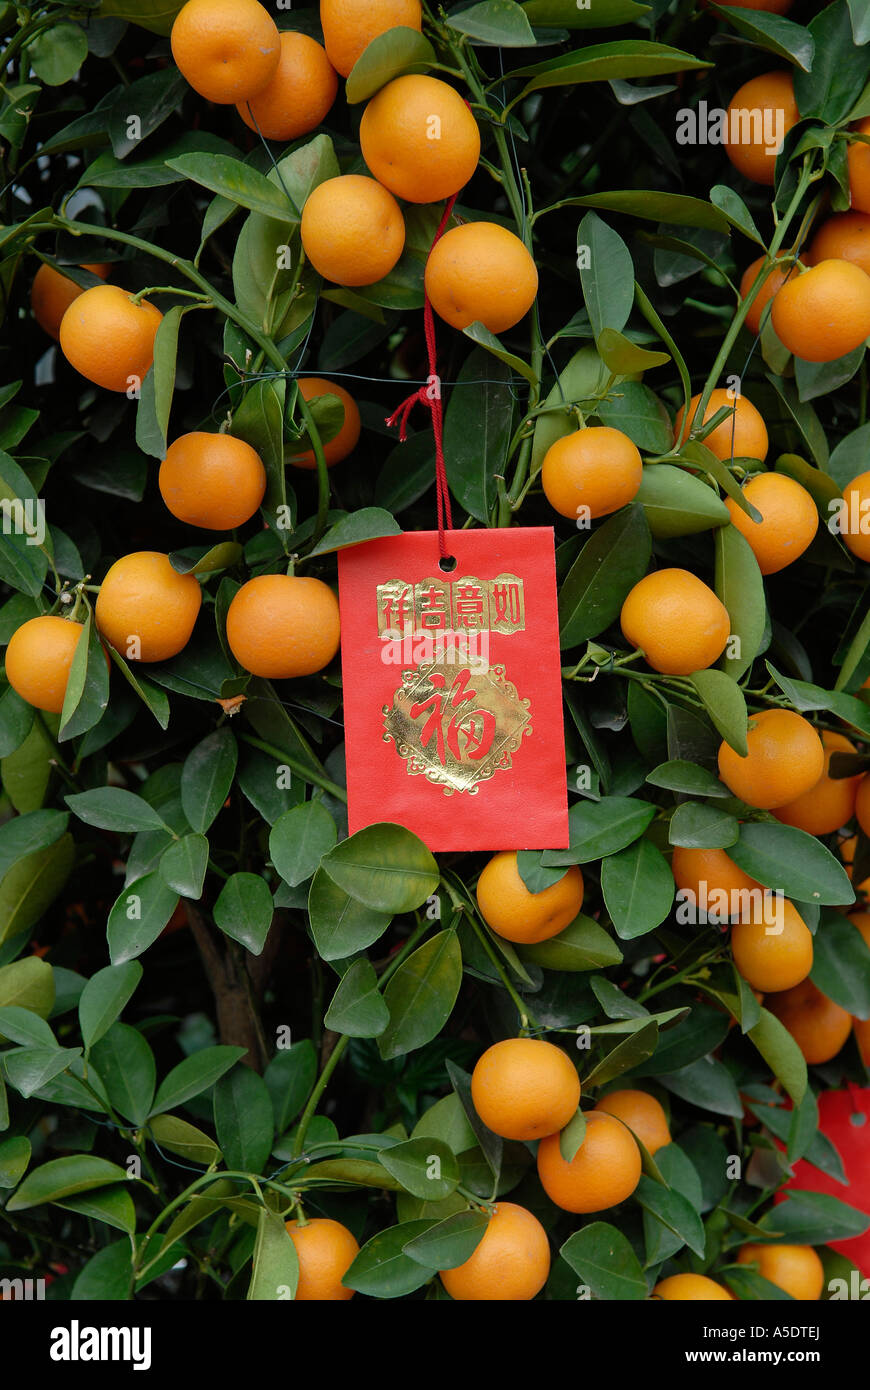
column 232, row 179
column 566, row 14
column 259, row 421
column 154, row 15
column 87, row 691
column 482, row 336
column 638, row 412
column 152, row 417
column 290, row 1076
column 502, row 23
column 612, row 561
column 477, row 429
column 605, row 61
column 740, row 586
column 793, row 862
column 24, row 1027
column 655, row 206
column 275, row 1271
column 585, row 378
column 725, row 703
column 772, row 32
column 175, row 1135
column 600, row 828
column 572, row 1136
column 57, row 53
column 64, row 1177
column 638, row 889
column 630, row 1053
column 839, row 69
column 112, row 1205
column 126, row 1066
column 16, row 721
column 244, row 910
column 138, row 916
column 702, row 827
column 112, row 808
column 421, row 995
column 183, row 866
column 735, row 210
column 533, row 873
column 104, row 998
column 299, row 839
column 450, row 1242
column 603, row 1259
column 687, row 778
column 14, row 1158
column 29, row 888
column 607, row 277
column 357, row 1007
column 676, row 503
column 195, row 1075
column 707, row 1084
column 813, row 1218
column 341, row 924
column 28, row 1069
column 804, row 696
column 841, row 964
column 383, row 1270
column 108, row 1275
column 207, row 777
column 426, row 1168
column 385, row 867
column 582, row 945
column 674, row 1211
column 243, row 1119
column 148, row 693
column 28, row 984
column 367, row 524
column 389, row 55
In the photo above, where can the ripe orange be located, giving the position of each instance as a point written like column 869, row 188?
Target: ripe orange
column 785, row 759
column 773, row 281
column 823, row 313
column 742, row 434
column 52, row 293
column 772, row 955
column 676, row 620
column 525, row 1088
column 843, row 237
column 38, row 659
column 510, row 1265
column 818, row 1025
column 695, row 1288
column 795, row 1268
column 480, row 272
column 604, row 1171
column 704, row 875
column 282, row 626
column 352, row 230
column 789, row 520
column 299, row 95
column 507, row 906
column 145, row 608
column 227, row 49
column 350, row 25
column 419, row 138
column 108, row 338
column 212, row 480
column 831, row 802
column 859, row 168
column 856, row 532
column 750, row 141
column 597, row 467
column 325, row 1250
column 347, row 438
column 642, row 1113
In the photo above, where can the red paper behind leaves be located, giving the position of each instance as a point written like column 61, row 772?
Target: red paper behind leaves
column 844, row 1116
column 467, row 758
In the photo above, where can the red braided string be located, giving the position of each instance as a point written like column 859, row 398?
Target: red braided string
column 430, row 396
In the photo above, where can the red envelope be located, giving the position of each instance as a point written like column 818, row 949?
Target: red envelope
column 453, row 689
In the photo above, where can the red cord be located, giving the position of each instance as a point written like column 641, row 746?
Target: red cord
column 430, row 396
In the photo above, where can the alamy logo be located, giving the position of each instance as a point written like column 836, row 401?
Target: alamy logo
column 22, row 1290
column 24, row 518
column 713, row 125
column 77, row 1343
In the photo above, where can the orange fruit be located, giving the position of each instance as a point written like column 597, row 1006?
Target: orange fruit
column 642, row 1113
column 108, row 338
column 831, row 802
column 795, row 1268
column 52, row 293
column 676, row 620
column 772, row 955
column 760, row 114
column 773, row 281
column 704, row 875
column 859, row 168
column 510, row 1265
column 352, row 230
column 785, row 759
column 597, row 467
column 212, row 480
column 694, row 1288
column 228, row 50
column 325, row 1250
column 299, row 95
column 742, row 434
column 824, row 312
column 789, row 520
column 843, row 237
column 525, row 1088
column 603, row 1172
column 350, row 25
column 481, row 273
column 145, row 608
column 38, row 659
column 818, row 1025
column 855, row 533
column 347, row 438
column 419, row 138
column 507, row 906
column 281, row 626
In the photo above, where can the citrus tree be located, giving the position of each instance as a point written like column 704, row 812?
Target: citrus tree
column 619, row 253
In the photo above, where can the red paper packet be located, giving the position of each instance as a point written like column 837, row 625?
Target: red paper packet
column 453, row 690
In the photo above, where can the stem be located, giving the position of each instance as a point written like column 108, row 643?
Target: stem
column 314, row 1098
column 306, row 773
column 526, row 1018
column 322, row 471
